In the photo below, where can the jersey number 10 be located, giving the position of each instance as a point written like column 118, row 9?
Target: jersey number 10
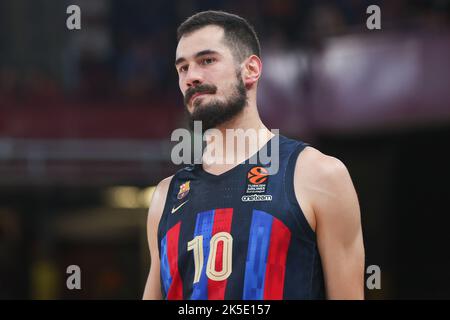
column 196, row 245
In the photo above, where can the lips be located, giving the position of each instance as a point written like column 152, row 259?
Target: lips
column 197, row 95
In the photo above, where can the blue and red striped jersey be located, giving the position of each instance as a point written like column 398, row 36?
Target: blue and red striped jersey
column 240, row 235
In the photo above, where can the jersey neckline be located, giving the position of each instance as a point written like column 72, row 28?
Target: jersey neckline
column 209, row 175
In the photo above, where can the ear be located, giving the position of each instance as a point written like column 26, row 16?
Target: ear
column 252, row 71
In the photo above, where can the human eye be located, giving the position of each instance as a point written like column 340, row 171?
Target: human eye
column 183, row 68
column 206, row 61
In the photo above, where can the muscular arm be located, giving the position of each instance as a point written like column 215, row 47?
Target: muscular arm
column 331, row 207
column 153, row 286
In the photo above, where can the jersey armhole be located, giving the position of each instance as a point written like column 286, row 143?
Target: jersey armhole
column 164, row 213
column 290, row 192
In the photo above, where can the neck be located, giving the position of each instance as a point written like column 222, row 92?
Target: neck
column 236, row 140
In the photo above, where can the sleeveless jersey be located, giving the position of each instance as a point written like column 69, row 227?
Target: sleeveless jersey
column 239, row 235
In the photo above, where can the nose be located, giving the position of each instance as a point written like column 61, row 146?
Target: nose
column 193, row 77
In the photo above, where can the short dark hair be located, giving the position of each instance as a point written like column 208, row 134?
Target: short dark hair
column 239, row 35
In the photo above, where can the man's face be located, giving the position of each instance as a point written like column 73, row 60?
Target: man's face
column 209, row 77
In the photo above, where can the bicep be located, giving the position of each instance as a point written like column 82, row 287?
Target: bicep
column 339, row 233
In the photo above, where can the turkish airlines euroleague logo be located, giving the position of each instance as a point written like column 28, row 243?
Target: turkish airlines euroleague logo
column 257, row 175
column 257, row 184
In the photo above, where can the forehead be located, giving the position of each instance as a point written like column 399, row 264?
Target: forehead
column 206, row 38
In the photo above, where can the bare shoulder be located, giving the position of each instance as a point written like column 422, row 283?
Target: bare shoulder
column 155, row 211
column 158, row 200
column 320, row 180
column 318, row 168
column 163, row 185
column 161, row 190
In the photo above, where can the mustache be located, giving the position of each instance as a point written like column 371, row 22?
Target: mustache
column 203, row 88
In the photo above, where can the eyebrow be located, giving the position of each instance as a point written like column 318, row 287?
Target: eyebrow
column 197, row 55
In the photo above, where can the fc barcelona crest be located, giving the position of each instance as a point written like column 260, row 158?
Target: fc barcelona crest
column 184, row 190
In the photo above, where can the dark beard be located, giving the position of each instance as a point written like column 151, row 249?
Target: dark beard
column 216, row 113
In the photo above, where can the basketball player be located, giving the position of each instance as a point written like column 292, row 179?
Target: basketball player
column 231, row 231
